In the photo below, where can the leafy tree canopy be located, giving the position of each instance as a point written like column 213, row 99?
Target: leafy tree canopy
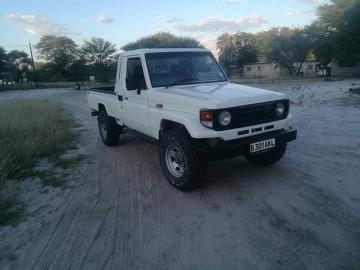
column 336, row 32
column 98, row 51
column 163, row 40
column 58, row 50
column 289, row 47
column 3, row 59
column 226, row 45
column 246, row 50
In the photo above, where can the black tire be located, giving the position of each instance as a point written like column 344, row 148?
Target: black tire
column 269, row 157
column 108, row 129
column 194, row 166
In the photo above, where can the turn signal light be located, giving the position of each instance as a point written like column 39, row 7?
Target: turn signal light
column 206, row 118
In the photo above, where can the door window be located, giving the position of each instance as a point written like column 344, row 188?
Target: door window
column 135, row 79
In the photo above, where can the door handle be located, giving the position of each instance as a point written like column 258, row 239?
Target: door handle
column 126, row 98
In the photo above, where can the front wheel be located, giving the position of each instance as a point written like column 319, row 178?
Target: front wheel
column 181, row 165
column 269, row 157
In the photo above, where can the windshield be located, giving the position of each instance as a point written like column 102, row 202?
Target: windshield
column 177, row 68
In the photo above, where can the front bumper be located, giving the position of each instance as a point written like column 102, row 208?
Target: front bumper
column 217, row 149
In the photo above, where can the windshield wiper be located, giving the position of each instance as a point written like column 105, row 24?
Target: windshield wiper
column 178, row 82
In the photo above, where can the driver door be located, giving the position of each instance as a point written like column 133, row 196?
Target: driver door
column 135, row 103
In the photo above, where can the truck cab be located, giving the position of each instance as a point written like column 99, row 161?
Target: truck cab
column 182, row 99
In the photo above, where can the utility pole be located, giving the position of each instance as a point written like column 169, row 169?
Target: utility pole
column 33, row 65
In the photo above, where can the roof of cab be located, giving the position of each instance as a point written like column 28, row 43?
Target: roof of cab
column 143, row 51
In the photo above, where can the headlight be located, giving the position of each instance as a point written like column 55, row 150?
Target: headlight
column 280, row 109
column 225, row 118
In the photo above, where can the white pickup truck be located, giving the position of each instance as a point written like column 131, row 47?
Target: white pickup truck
column 182, row 99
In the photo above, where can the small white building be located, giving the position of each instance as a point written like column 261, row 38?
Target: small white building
column 274, row 70
column 308, row 69
column 262, row 70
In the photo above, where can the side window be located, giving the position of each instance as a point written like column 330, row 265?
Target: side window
column 135, row 75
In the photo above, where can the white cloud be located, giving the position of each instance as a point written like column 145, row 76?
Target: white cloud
column 231, row 1
column 35, row 25
column 171, row 19
column 310, row 2
column 104, row 19
column 209, row 43
column 216, row 24
column 296, row 12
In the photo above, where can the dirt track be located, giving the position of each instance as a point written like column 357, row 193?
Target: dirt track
column 303, row 213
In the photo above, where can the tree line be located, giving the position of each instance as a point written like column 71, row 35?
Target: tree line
column 64, row 60
column 334, row 35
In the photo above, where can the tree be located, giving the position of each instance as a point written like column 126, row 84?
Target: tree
column 3, row 59
column 19, row 64
column 246, row 51
column 98, row 51
column 263, row 43
column 59, row 50
column 336, row 32
column 163, row 40
column 101, row 55
column 78, row 71
column 226, row 45
column 289, row 47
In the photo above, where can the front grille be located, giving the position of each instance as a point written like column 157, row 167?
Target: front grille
column 251, row 115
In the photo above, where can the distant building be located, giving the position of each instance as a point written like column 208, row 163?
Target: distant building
column 234, row 71
column 262, row 70
column 308, row 69
column 339, row 70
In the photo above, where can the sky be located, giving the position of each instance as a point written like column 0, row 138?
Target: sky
column 123, row 21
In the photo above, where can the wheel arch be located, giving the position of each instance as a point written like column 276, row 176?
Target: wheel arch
column 166, row 124
column 101, row 107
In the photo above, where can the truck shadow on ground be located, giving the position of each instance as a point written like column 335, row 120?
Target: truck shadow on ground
column 236, row 173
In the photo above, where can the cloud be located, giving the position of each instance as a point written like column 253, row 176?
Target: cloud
column 231, row 2
column 311, row 2
column 104, row 19
column 296, row 12
column 171, row 19
column 216, row 24
column 35, row 25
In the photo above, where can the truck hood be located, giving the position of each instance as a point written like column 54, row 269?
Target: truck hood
column 211, row 96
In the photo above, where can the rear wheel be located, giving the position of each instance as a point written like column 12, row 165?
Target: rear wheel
column 269, row 157
column 108, row 128
column 183, row 167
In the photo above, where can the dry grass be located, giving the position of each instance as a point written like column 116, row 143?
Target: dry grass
column 30, row 130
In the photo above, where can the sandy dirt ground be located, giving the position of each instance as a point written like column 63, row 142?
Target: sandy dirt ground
column 120, row 212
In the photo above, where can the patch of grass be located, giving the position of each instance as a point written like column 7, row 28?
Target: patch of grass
column 50, row 178
column 11, row 212
column 29, row 131
column 67, row 163
column 28, row 86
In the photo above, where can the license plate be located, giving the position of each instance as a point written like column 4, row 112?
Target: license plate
column 261, row 146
